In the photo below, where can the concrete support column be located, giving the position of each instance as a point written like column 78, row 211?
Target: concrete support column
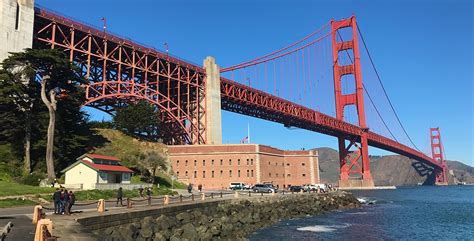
column 16, row 26
column 213, row 102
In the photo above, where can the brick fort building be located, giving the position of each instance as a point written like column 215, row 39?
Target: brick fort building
column 216, row 166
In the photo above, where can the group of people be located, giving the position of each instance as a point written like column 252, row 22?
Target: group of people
column 63, row 201
column 190, row 188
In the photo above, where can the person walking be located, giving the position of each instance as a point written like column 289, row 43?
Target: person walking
column 119, row 197
column 61, row 202
column 65, row 202
column 57, row 201
column 140, row 191
column 72, row 201
column 148, row 192
column 190, row 188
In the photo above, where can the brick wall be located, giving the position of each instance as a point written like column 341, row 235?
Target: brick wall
column 216, row 166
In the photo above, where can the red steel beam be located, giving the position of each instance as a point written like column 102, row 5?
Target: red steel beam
column 245, row 100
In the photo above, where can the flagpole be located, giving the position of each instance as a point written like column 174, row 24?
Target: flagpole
column 248, row 133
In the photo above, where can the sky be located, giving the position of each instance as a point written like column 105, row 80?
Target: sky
column 423, row 51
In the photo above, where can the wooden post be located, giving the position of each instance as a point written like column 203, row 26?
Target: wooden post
column 236, row 194
column 40, row 228
column 38, row 209
column 192, row 197
column 203, row 196
column 101, row 206
column 129, row 203
column 149, row 200
column 166, row 200
column 180, row 198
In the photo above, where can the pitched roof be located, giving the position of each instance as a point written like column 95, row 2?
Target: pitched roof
column 102, row 157
column 103, row 167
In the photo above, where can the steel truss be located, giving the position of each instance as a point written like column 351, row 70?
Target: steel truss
column 120, row 71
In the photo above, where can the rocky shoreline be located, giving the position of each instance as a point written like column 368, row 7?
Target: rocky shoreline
column 229, row 220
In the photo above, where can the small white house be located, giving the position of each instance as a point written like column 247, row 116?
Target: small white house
column 93, row 171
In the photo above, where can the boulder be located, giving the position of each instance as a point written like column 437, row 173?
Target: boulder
column 184, row 217
column 189, row 232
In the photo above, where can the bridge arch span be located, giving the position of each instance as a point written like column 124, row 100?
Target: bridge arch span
column 175, row 124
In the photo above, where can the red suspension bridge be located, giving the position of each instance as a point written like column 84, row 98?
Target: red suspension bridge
column 294, row 86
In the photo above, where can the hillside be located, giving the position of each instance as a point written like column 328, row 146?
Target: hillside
column 392, row 170
column 126, row 148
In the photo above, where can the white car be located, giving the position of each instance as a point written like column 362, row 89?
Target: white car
column 319, row 186
column 237, row 186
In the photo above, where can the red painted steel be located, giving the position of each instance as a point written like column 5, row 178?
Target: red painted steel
column 349, row 160
column 120, row 71
column 438, row 155
column 245, row 100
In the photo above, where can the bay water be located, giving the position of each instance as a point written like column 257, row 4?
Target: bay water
column 407, row 213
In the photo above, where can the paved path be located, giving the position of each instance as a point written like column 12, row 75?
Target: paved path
column 23, row 229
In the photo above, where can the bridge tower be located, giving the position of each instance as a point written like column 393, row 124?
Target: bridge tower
column 438, row 155
column 354, row 163
column 16, row 26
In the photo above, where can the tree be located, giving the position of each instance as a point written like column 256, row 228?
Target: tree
column 57, row 78
column 138, row 119
column 152, row 161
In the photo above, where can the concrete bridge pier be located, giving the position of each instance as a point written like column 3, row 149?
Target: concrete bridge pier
column 213, row 102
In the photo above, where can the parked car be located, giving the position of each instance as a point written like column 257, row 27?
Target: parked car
column 295, row 188
column 306, row 187
column 270, row 184
column 237, row 186
column 263, row 188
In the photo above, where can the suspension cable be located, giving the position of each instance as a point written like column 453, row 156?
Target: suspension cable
column 368, row 95
column 383, row 88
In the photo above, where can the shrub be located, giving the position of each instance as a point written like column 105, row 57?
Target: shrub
column 32, row 179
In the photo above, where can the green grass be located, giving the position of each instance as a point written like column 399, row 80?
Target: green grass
column 6, row 203
column 12, row 189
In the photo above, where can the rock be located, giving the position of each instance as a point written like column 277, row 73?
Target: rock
column 159, row 237
column 215, row 230
column 189, row 232
column 148, row 226
column 184, row 217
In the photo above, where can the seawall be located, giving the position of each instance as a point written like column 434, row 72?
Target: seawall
column 228, row 219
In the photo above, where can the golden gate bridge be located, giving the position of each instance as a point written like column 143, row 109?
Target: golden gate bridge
column 294, row 86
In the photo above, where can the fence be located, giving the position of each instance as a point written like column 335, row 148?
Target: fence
column 125, row 186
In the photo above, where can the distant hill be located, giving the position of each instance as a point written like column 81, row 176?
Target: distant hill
column 393, row 169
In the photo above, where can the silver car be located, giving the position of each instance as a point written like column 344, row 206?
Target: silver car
column 263, row 188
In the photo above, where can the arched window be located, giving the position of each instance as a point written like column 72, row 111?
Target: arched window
column 186, row 174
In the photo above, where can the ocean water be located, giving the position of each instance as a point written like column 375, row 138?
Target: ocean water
column 408, row 213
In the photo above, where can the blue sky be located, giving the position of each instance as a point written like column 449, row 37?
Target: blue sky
column 423, row 51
